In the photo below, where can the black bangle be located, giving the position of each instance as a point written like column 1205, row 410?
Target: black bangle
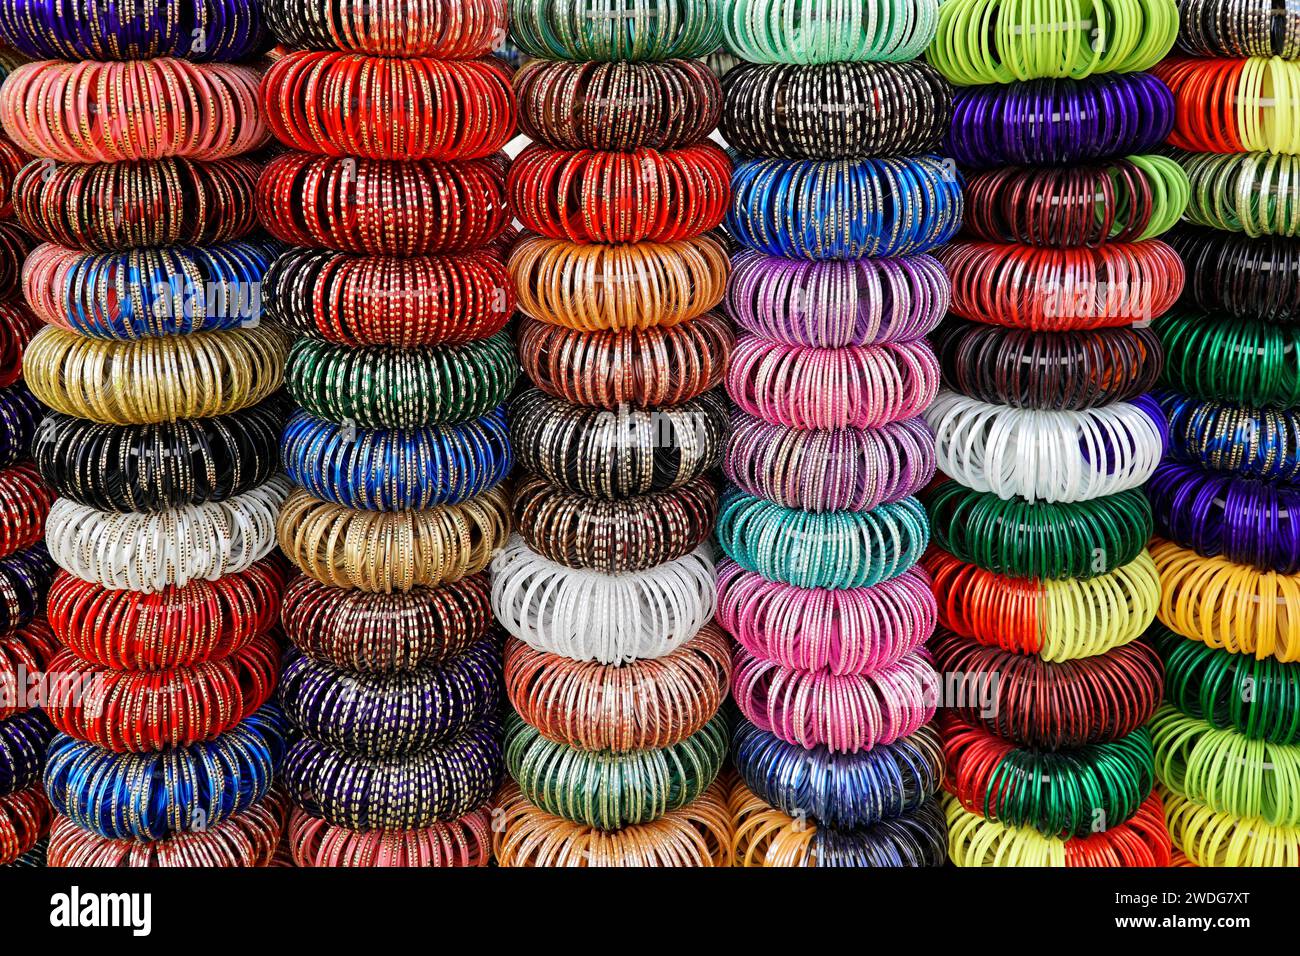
column 1239, row 28
column 20, row 414
column 1256, row 279
column 23, row 740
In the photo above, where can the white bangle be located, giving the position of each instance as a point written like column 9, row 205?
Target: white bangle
column 1044, row 455
column 609, row 618
column 149, row 552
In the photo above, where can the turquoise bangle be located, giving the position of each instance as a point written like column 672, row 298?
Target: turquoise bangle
column 616, row 30
column 829, row 31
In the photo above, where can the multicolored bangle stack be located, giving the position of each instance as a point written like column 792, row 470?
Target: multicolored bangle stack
column 1044, row 433
column 1226, row 499
column 835, row 207
column 613, row 667
column 158, row 374
column 392, row 198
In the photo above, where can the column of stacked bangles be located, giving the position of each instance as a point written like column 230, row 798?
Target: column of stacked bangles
column 159, row 441
column 392, row 198
column 834, row 208
column 614, row 668
column 1226, row 501
column 1044, row 431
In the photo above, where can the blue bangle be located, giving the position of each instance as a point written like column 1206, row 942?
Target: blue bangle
column 23, row 739
column 397, row 469
column 1246, row 441
column 839, row 209
column 20, row 415
column 25, row 577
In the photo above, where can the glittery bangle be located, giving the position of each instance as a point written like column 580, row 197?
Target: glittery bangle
column 608, row 30
column 24, row 818
column 464, row 842
column 23, row 739
column 443, row 29
column 25, row 651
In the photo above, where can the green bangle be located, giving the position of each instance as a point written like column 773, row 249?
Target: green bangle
column 1231, row 359
column 616, row 30
column 810, row 32
column 383, row 387
column 1171, row 191
column 607, row 790
column 1254, row 193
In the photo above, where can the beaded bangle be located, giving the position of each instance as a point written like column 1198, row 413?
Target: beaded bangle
column 769, row 837
column 1046, row 455
column 24, row 502
column 411, row 792
column 175, row 627
column 786, row 31
column 380, row 107
column 1211, row 838
column 642, row 705
column 1142, row 840
column 25, row 576
column 24, row 819
column 837, row 303
column 836, row 549
column 464, row 842
column 698, row 834
column 1249, row 442
column 1254, row 193
column 644, row 368
column 25, row 652
column 20, row 415
column 18, row 325
column 190, row 789
column 848, row 631
column 106, row 207
column 611, row 30
column 609, row 618
column 614, row 536
column 210, row 110
column 841, row 209
column 1234, row 106
column 1054, row 620
column 617, row 454
column 845, row 713
column 414, row 302
column 1052, row 122
column 1049, row 705
column 441, row 29
column 851, row 387
column 23, row 739
column 386, row 633
column 845, row 469
column 1228, row 605
column 1256, row 279
column 609, row 791
column 383, row 207
column 835, row 110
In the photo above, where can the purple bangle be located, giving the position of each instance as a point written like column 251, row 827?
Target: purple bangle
column 1059, row 121
column 1246, row 521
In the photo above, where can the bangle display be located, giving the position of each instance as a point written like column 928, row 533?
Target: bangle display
column 25, row 576
column 1234, row 106
column 1256, row 279
column 1246, row 441
column 1239, row 29
column 823, row 31
column 24, row 818
column 24, row 502
column 443, row 29
column 20, row 417
column 23, row 739
column 25, row 651
column 1254, row 193
column 18, row 326
column 841, row 209
column 611, row 30
column 1211, row 838
column 464, row 842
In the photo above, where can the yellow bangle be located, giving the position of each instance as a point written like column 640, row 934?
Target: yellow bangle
column 1210, row 838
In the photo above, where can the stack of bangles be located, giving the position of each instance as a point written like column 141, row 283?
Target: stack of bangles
column 1253, row 193
column 1231, row 359
column 1234, row 105
column 1240, row 276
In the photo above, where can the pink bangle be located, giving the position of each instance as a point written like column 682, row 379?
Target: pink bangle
column 853, row 631
column 464, row 842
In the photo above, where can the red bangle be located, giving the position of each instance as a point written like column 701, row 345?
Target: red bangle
column 25, row 655
column 464, row 842
column 351, row 104
column 24, row 817
column 25, row 499
column 12, row 159
column 15, row 245
column 608, row 197
column 1206, row 103
column 18, row 324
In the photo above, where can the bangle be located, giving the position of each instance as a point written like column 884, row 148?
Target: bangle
column 698, row 834
column 1120, row 200
column 20, row 417
column 1234, row 106
column 372, row 300
column 23, row 739
column 12, row 160
column 643, row 368
column 1054, row 371
column 381, row 107
column 436, row 785
column 15, row 246
column 1239, row 29
column 192, row 788
column 617, row 536
column 843, row 209
column 1051, row 122
column 1051, row 705
column 386, row 633
column 25, row 577
column 617, row 454
column 837, row 303
column 1054, row 620
column 835, row 110
column 1062, row 290
column 25, row 652
column 168, row 629
column 609, row 618
column 851, row 387
column 835, row 549
column 641, row 705
column 1256, row 279
column 611, row 197
column 768, row 837
column 24, row 818
column 845, row 713
column 1039, row 539
column 18, row 325
column 1075, row 455
column 136, row 109
column 1254, row 193
column 847, row 631
column 596, row 287
column 1228, row 605
column 610, row 791
column 1248, row 442
column 611, row 30
column 1211, row 838
column 148, row 552
column 1257, row 698
column 115, row 207
column 466, row 841
column 24, row 502
column 618, row 106
column 440, row 29
column 150, row 711
column 1142, row 840
column 383, row 207
column 150, row 381
column 785, row 31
